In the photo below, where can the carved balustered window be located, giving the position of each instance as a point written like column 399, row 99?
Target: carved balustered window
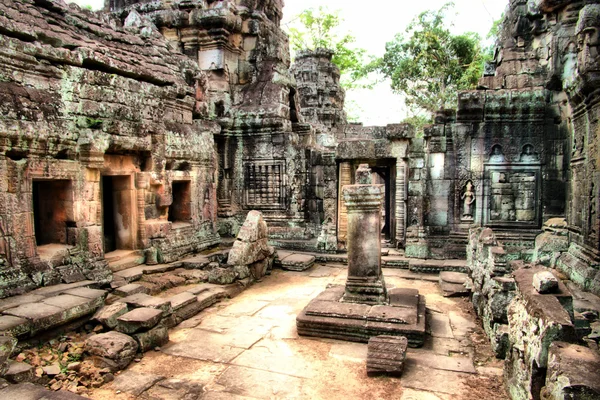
column 264, row 184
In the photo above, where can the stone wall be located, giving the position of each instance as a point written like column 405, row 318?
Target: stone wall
column 530, row 329
column 97, row 127
column 245, row 86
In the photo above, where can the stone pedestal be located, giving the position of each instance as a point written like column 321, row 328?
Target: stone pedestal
column 364, row 307
column 365, row 281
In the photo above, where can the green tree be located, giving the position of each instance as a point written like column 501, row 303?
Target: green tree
column 429, row 65
column 318, row 28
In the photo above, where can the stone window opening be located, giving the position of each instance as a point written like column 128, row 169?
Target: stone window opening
column 180, row 210
column 220, row 109
column 52, row 215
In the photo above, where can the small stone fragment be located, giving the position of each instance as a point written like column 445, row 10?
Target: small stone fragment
column 112, row 346
column 108, row 315
column 545, row 282
column 386, row 355
column 138, row 319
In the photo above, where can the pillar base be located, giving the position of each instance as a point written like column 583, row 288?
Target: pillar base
column 361, row 290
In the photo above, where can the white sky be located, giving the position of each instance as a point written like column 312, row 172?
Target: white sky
column 374, row 24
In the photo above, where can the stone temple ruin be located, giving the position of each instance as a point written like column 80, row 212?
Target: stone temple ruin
column 136, row 140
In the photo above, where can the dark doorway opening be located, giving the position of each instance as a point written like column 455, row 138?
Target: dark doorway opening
column 108, row 212
column 181, row 208
column 118, row 213
column 52, row 211
column 381, row 175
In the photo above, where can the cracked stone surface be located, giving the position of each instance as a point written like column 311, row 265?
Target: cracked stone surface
column 248, row 348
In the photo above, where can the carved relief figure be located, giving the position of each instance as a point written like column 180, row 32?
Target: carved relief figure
column 592, row 216
column 468, row 198
column 497, row 156
column 529, row 154
column 588, row 38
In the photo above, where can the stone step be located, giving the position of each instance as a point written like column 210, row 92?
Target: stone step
column 28, row 319
column 437, row 266
column 132, row 260
column 454, row 284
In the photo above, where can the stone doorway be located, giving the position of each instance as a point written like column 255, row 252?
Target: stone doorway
column 383, row 173
column 52, row 211
column 118, row 213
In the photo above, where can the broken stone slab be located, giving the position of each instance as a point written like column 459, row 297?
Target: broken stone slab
column 108, row 315
column 134, row 382
column 52, row 369
column 246, row 253
column 222, row 276
column 545, row 282
column 254, row 228
column 386, row 355
column 144, row 300
column 19, row 372
column 14, row 326
column 572, row 372
column 453, row 277
column 118, row 348
column 30, row 391
column 196, row 262
column 138, row 319
column 454, row 289
column 155, row 337
column 297, row 262
column 131, row 289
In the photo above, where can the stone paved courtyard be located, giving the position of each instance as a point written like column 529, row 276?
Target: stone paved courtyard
column 247, row 347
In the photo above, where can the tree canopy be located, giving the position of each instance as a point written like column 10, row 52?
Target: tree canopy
column 429, row 64
column 318, row 28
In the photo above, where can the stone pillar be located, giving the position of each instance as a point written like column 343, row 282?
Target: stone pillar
column 365, row 281
column 345, row 179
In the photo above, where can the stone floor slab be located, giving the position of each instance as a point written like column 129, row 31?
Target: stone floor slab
column 436, row 361
column 261, row 384
column 134, row 382
column 15, row 301
column 248, row 308
column 276, row 356
column 322, row 271
column 206, row 346
column 439, row 325
column 421, row 378
column 41, row 316
column 30, row 391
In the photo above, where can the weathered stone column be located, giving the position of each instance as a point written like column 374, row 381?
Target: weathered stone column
column 365, row 281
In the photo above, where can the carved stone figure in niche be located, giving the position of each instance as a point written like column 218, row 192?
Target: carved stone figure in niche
column 592, row 216
column 569, row 65
column 206, row 207
column 468, row 198
column 528, row 154
column 497, row 155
